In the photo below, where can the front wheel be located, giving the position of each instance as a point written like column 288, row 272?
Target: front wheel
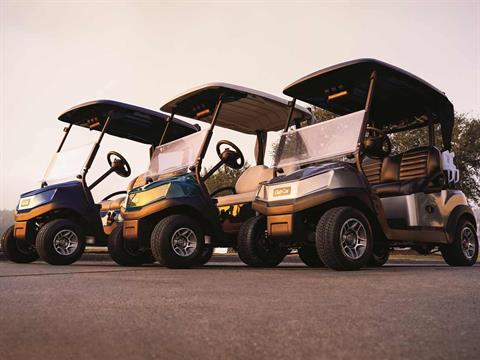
column 309, row 256
column 255, row 248
column 177, row 241
column 60, row 242
column 127, row 252
column 344, row 238
column 464, row 250
column 19, row 251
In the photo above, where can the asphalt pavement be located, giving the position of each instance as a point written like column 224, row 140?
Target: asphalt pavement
column 409, row 309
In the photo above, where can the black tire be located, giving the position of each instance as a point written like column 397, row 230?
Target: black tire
column 46, row 239
column 206, row 255
column 309, row 256
column 329, row 242
column 19, row 251
column 254, row 249
column 454, row 254
column 127, row 253
column 380, row 254
column 162, row 241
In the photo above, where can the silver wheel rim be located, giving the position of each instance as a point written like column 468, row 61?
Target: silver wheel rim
column 469, row 243
column 184, row 242
column 353, row 238
column 65, row 242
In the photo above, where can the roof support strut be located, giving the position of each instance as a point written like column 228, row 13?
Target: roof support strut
column 366, row 119
column 206, row 142
column 96, row 146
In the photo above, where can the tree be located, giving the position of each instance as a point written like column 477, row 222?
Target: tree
column 465, row 145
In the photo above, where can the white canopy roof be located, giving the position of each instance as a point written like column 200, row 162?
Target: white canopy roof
column 243, row 109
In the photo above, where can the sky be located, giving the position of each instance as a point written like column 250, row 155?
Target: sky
column 55, row 55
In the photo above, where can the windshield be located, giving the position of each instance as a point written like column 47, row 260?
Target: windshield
column 67, row 164
column 176, row 156
column 322, row 141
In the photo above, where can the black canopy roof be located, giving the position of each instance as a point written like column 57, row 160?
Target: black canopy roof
column 400, row 101
column 127, row 121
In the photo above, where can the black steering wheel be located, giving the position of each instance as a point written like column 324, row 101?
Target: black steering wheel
column 119, row 164
column 232, row 158
column 377, row 145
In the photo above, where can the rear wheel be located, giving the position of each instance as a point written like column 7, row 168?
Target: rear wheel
column 344, row 238
column 60, row 242
column 380, row 254
column 177, row 241
column 309, row 256
column 255, row 248
column 16, row 250
column 127, row 252
column 464, row 250
column 206, row 255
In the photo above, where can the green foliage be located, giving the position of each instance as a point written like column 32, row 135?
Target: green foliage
column 465, row 144
column 223, row 177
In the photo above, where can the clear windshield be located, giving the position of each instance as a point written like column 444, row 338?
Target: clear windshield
column 322, row 141
column 176, row 156
column 67, row 164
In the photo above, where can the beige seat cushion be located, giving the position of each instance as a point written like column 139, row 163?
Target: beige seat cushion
column 114, row 204
column 235, row 199
column 251, row 177
column 246, row 186
column 140, row 180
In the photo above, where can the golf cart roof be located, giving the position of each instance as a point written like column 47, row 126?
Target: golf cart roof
column 127, row 121
column 401, row 100
column 243, row 109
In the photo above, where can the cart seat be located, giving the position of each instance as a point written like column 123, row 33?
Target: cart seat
column 416, row 170
column 109, row 205
column 140, row 180
column 246, row 186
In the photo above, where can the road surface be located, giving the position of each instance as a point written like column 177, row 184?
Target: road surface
column 95, row 309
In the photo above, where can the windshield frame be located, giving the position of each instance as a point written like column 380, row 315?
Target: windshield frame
column 322, row 131
column 156, row 175
column 366, row 118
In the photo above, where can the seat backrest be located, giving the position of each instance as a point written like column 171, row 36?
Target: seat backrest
column 420, row 162
column 136, row 182
column 390, row 169
column 251, row 177
column 372, row 169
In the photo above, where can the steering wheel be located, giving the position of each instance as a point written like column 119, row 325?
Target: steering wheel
column 119, row 164
column 232, row 158
column 377, row 146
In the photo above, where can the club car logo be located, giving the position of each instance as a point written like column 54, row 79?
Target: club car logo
column 282, row 191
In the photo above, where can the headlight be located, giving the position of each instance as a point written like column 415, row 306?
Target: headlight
column 30, row 202
column 146, row 197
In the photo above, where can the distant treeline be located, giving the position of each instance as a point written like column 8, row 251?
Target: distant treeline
column 6, row 219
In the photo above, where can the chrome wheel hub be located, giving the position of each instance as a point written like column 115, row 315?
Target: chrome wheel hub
column 184, row 242
column 65, row 242
column 353, row 238
column 469, row 243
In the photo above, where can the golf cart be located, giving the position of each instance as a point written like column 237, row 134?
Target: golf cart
column 55, row 220
column 342, row 197
column 172, row 212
